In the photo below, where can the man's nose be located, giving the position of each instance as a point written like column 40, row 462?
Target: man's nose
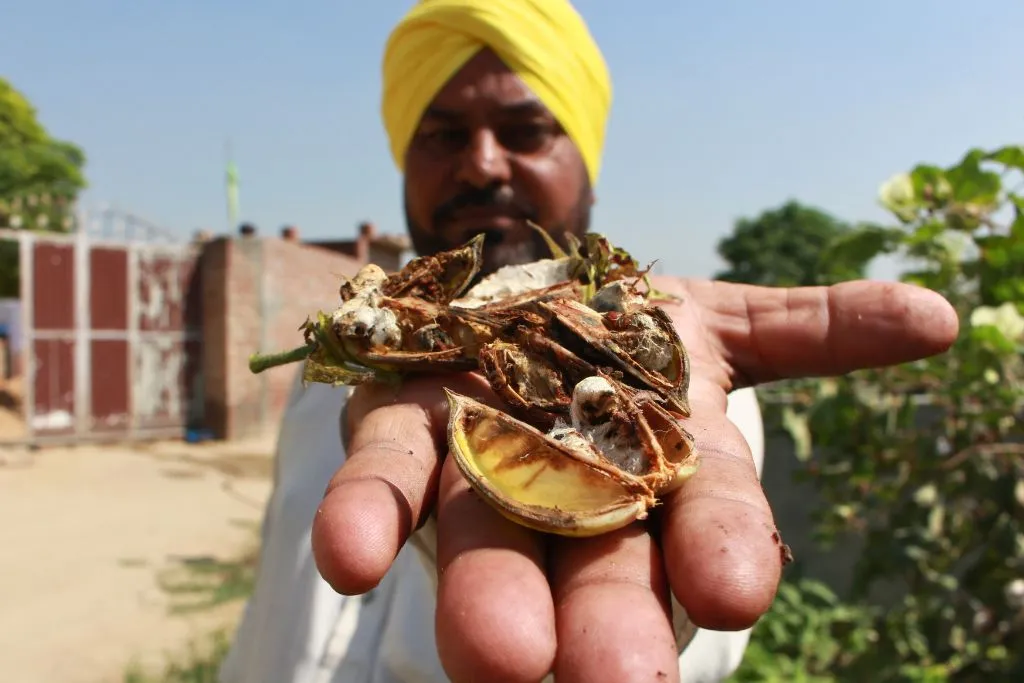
column 484, row 161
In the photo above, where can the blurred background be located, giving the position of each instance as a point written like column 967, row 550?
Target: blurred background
column 181, row 183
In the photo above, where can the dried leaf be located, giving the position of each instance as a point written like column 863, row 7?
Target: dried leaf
column 798, row 427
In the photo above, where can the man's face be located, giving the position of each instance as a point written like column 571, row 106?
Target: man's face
column 487, row 157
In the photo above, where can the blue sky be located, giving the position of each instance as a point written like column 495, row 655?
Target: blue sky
column 722, row 109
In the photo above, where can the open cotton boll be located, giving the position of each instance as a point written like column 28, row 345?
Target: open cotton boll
column 370, row 275
column 594, row 417
column 358, row 318
column 511, row 281
column 366, row 283
column 617, row 296
column 650, row 352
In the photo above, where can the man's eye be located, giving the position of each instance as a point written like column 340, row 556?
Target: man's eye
column 525, row 137
column 448, row 138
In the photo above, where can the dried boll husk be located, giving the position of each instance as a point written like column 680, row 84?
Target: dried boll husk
column 603, row 470
column 590, row 375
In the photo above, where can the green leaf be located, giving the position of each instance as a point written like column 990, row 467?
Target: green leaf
column 323, row 369
column 856, row 249
column 31, row 161
column 991, row 337
column 971, row 183
column 556, row 251
column 927, row 232
column 1017, row 227
column 1010, row 155
column 931, row 185
column 821, row 592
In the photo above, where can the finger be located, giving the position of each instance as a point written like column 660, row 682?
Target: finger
column 722, row 551
column 613, row 610
column 775, row 333
column 388, row 482
column 495, row 619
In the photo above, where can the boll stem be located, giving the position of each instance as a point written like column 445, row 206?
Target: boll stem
column 258, row 362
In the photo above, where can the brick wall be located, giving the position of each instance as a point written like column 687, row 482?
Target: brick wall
column 257, row 291
column 387, row 251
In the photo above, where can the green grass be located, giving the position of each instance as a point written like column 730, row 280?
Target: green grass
column 203, row 583
column 199, row 665
column 194, row 585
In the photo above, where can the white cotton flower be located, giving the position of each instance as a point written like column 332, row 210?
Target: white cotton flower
column 897, row 190
column 1005, row 318
column 956, row 244
column 897, row 195
column 1014, row 594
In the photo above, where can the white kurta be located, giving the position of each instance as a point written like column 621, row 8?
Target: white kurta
column 296, row 629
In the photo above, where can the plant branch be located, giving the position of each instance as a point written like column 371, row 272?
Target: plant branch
column 966, row 454
column 260, row 362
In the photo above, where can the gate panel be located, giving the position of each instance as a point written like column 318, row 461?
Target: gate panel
column 53, row 287
column 110, row 404
column 108, row 334
column 112, row 335
column 53, row 387
column 160, row 399
column 52, row 380
column 108, row 300
column 161, row 292
column 164, row 375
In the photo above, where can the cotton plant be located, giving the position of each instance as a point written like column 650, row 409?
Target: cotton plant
column 924, row 462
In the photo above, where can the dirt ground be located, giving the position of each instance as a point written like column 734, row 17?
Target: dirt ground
column 12, row 424
column 88, row 531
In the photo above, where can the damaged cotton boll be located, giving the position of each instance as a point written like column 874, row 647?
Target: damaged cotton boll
column 359, row 319
column 571, row 438
column 591, row 376
column 592, row 402
column 365, row 283
column 510, row 281
column 597, row 415
column 433, row 337
column 618, row 297
column 651, row 350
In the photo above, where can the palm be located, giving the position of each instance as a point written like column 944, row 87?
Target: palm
column 513, row 604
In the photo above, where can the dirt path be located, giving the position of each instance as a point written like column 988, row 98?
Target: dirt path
column 87, row 533
column 12, row 423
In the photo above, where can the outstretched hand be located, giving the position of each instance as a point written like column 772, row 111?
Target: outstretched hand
column 513, row 604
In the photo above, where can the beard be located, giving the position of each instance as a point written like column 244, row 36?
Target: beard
column 501, row 247
column 508, row 247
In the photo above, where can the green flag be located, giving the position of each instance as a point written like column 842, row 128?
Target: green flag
column 231, row 188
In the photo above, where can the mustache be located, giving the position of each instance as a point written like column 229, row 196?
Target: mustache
column 502, row 199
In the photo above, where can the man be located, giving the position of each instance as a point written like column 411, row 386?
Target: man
column 495, row 112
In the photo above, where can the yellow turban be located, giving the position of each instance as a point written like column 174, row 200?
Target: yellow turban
column 545, row 42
